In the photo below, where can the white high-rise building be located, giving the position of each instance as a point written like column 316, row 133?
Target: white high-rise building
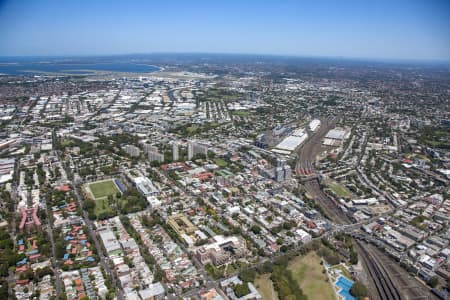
column 132, row 150
column 195, row 148
column 287, row 172
column 282, row 170
column 154, row 155
column 149, row 147
column 175, row 153
column 279, row 174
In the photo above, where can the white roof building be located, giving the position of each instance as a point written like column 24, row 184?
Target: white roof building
column 109, row 241
column 154, row 290
column 145, row 186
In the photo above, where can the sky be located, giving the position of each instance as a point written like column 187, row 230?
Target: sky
column 379, row 29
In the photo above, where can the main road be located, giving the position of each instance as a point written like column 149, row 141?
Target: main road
column 103, row 259
column 93, row 235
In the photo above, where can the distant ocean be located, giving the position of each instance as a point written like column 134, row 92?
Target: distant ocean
column 33, row 68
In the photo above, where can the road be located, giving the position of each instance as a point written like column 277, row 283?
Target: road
column 103, row 259
column 55, row 265
column 93, row 235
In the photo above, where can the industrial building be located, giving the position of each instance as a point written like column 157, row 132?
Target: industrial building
column 336, row 136
column 291, row 142
column 314, row 125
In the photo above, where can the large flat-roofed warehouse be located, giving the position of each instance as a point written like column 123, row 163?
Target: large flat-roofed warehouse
column 291, row 142
column 335, row 136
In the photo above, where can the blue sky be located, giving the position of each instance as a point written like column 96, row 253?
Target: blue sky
column 393, row 29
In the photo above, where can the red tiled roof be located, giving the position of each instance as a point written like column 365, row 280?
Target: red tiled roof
column 64, row 188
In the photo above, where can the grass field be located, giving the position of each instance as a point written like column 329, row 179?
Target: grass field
column 339, row 189
column 344, row 270
column 192, row 129
column 102, row 189
column 241, row 113
column 307, row 270
column 220, row 162
column 265, row 287
column 101, row 205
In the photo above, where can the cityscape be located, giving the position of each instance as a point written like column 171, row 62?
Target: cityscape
column 223, row 176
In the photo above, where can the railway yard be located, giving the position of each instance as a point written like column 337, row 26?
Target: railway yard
column 386, row 278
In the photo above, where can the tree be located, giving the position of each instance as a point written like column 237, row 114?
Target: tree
column 159, row 274
column 256, row 229
column 88, row 204
column 211, row 154
column 247, row 275
column 433, row 282
column 241, row 290
column 353, row 257
column 41, row 272
column 359, row 290
column 155, row 163
column 60, row 249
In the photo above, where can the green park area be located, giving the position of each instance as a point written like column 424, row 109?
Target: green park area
column 215, row 94
column 220, row 162
column 104, row 200
column 438, row 137
column 102, row 189
column 265, row 287
column 241, row 113
column 308, row 272
column 339, row 189
column 192, row 129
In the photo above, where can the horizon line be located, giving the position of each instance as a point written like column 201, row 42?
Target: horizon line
column 343, row 57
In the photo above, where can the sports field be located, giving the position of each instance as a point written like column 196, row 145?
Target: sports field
column 102, row 189
column 99, row 191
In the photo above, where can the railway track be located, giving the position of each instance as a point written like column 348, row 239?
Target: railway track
column 390, row 280
column 327, row 204
column 306, row 159
column 386, row 289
